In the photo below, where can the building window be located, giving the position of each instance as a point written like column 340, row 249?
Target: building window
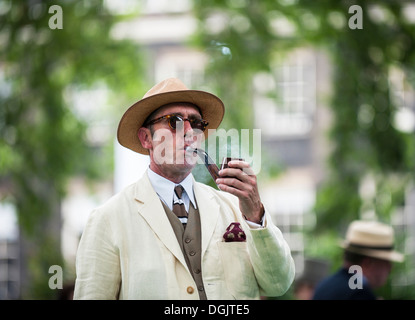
column 285, row 100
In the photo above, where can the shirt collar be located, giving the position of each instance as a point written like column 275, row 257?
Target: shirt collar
column 165, row 188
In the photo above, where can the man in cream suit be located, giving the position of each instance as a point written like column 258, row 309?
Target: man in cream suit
column 156, row 241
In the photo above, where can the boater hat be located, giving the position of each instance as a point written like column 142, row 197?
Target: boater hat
column 168, row 91
column 372, row 239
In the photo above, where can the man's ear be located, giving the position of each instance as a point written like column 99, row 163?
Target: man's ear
column 144, row 135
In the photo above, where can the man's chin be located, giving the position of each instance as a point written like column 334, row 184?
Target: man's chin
column 181, row 161
column 185, row 166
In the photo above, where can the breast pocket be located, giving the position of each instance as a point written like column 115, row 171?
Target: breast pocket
column 239, row 274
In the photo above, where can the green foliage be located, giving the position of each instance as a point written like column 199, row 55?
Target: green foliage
column 43, row 140
column 242, row 40
column 39, row 263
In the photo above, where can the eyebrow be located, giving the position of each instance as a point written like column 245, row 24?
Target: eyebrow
column 191, row 116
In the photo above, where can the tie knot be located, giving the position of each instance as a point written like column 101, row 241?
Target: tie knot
column 179, row 190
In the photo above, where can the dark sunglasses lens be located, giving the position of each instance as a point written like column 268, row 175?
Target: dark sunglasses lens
column 194, row 123
column 173, row 120
column 197, row 124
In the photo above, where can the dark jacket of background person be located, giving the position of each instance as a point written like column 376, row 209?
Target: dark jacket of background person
column 367, row 263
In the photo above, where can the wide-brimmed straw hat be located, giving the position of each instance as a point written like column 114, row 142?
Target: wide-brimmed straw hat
column 167, row 91
column 372, row 239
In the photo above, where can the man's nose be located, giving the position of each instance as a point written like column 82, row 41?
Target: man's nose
column 187, row 127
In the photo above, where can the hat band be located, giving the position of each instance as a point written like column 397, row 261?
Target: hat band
column 359, row 246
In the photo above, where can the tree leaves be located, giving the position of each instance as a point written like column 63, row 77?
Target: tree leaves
column 44, row 140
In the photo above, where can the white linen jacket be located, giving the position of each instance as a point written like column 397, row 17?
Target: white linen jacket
column 128, row 250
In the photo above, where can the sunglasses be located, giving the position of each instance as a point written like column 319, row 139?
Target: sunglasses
column 173, row 119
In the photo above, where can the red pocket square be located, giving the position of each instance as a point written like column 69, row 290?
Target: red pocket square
column 234, row 233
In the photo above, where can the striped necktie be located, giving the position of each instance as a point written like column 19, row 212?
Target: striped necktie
column 178, row 205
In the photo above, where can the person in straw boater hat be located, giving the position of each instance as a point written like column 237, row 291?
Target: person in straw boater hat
column 169, row 237
column 368, row 257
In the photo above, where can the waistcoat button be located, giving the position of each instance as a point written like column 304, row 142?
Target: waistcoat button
column 190, row 290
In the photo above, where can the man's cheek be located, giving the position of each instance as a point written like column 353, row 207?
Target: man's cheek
column 163, row 146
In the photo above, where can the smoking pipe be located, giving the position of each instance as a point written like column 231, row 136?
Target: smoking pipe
column 209, row 163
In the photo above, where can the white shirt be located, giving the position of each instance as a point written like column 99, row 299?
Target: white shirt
column 165, row 190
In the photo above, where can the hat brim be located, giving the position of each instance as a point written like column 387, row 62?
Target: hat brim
column 211, row 107
column 389, row 255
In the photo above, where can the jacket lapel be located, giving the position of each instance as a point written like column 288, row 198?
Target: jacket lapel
column 151, row 209
column 209, row 213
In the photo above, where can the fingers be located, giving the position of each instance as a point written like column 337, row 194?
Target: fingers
column 238, row 179
column 232, row 185
column 238, row 169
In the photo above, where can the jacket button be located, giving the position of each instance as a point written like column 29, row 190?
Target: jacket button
column 190, row 290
